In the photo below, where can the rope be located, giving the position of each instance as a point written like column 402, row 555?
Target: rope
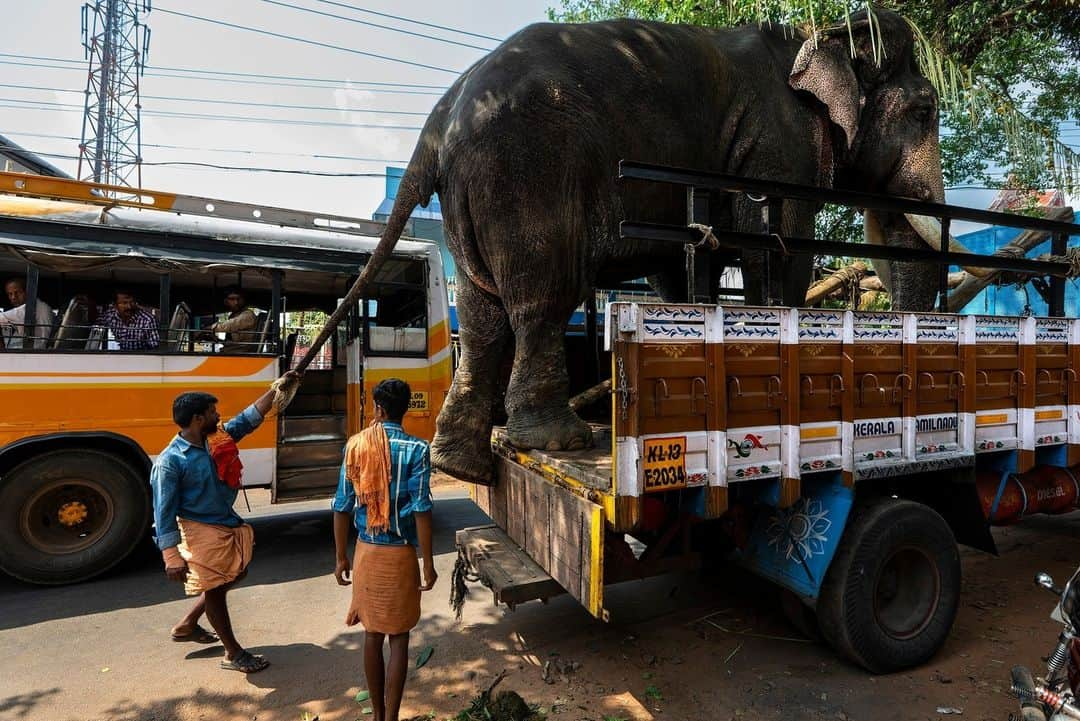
column 707, row 236
column 458, row 590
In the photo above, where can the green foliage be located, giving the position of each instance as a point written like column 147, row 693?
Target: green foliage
column 1006, row 71
column 653, row 693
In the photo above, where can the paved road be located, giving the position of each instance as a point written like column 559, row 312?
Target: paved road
column 100, row 650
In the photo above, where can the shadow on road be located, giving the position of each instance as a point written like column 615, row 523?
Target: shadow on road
column 288, row 546
column 21, row 705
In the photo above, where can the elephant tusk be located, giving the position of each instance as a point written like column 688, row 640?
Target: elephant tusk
column 875, row 236
column 929, row 229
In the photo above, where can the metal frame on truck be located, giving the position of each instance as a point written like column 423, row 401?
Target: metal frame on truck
column 844, row 454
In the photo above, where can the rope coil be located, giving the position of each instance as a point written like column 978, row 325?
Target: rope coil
column 707, row 236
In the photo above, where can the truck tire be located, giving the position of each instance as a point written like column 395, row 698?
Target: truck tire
column 891, row 593
column 69, row 515
column 799, row 615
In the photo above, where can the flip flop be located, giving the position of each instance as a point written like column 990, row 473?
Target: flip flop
column 246, row 662
column 198, row 634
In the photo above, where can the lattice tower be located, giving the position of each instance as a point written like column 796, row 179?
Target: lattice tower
column 116, row 43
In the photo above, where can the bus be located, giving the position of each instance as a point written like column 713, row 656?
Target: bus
column 85, row 413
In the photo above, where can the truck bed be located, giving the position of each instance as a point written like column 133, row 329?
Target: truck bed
column 590, row 468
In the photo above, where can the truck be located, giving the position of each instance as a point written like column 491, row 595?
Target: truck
column 842, row 455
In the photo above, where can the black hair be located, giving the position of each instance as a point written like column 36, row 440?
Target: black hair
column 124, row 290
column 191, row 404
column 234, row 290
column 21, row 282
column 392, row 395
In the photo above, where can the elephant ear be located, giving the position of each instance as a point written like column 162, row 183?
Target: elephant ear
column 824, row 69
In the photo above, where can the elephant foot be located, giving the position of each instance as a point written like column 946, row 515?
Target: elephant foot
column 549, row 430
column 464, row 455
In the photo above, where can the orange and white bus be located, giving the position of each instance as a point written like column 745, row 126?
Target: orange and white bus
column 81, row 420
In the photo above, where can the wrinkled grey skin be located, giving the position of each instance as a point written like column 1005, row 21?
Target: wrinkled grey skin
column 523, row 150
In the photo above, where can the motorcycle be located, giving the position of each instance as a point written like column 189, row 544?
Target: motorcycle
column 1053, row 697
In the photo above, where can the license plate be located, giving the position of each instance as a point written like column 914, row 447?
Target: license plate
column 664, row 463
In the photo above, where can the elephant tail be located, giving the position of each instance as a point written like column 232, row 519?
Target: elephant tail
column 417, row 186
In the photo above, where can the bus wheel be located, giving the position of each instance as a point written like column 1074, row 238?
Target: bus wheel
column 891, row 593
column 66, row 516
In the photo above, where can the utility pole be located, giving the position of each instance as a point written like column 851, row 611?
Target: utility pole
column 116, row 42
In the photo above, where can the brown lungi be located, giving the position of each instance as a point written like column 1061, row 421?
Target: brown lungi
column 385, row 588
column 215, row 555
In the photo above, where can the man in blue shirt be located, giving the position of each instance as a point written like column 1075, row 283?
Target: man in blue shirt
column 204, row 543
column 385, row 577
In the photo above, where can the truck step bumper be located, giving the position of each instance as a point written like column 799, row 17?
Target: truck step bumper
column 504, row 567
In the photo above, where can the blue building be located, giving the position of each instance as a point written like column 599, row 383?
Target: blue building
column 1011, row 299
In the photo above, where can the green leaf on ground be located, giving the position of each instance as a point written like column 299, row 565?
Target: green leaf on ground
column 362, row 696
column 424, row 656
column 653, row 693
column 367, row 711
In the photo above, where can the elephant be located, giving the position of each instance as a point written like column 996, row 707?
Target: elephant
column 523, row 150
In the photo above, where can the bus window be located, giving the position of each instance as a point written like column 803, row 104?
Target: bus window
column 396, row 312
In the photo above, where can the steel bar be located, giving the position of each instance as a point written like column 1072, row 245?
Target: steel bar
column 735, row 239
column 698, row 179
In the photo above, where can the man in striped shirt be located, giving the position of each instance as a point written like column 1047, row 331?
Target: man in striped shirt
column 385, row 577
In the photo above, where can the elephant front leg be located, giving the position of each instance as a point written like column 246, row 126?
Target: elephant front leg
column 537, row 400
column 462, row 444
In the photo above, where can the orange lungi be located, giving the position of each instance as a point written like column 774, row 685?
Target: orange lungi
column 385, row 588
column 215, row 555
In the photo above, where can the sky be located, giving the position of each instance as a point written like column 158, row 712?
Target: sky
column 342, row 109
column 347, row 124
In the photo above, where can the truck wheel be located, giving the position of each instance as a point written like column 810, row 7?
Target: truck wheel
column 891, row 593
column 799, row 615
column 66, row 516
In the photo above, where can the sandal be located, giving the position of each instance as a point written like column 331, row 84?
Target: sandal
column 246, row 662
column 198, row 634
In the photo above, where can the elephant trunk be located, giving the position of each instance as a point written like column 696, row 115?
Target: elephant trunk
column 912, row 286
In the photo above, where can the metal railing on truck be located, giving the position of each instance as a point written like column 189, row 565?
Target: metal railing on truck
column 703, row 188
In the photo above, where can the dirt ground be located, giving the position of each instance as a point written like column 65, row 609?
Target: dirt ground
column 693, row 646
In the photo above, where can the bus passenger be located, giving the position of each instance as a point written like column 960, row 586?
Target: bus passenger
column 239, row 329
column 133, row 327
column 12, row 321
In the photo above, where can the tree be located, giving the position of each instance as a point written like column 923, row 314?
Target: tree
column 1006, row 72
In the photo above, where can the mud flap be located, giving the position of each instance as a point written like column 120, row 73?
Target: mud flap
column 793, row 547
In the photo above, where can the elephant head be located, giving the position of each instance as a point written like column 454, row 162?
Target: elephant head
column 885, row 114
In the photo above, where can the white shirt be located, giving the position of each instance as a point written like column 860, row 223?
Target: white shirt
column 12, row 325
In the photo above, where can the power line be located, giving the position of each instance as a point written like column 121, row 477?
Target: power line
column 337, row 81
column 283, row 36
column 246, row 103
column 239, row 151
column 288, row 171
column 389, row 91
column 374, row 25
column 65, row 107
column 409, row 20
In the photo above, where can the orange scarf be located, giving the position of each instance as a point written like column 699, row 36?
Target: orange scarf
column 226, row 457
column 367, row 466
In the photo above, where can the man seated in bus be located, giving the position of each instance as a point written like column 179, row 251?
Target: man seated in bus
column 133, row 327
column 13, row 320
column 239, row 329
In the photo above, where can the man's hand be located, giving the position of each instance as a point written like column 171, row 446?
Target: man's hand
column 430, row 577
column 177, row 573
column 342, row 571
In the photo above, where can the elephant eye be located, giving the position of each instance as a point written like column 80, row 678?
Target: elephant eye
column 923, row 113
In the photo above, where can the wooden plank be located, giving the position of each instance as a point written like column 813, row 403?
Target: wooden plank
column 590, row 467
column 513, row 476
column 505, row 567
column 538, row 519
